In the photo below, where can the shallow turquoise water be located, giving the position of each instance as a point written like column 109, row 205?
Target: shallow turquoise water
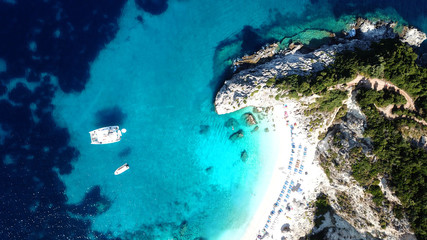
column 160, row 75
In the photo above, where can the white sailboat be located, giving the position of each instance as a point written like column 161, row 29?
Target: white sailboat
column 106, row 135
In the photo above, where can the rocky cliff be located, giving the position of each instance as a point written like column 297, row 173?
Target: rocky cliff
column 353, row 213
column 336, row 153
column 249, row 87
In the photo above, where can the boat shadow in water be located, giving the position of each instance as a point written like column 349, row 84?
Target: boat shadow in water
column 110, row 116
column 125, row 152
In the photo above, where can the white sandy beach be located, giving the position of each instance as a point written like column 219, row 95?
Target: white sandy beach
column 289, row 192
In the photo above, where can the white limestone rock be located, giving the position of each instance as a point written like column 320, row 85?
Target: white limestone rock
column 249, row 87
column 413, row 36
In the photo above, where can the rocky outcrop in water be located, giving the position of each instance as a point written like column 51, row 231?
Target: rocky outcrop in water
column 237, row 135
column 204, row 129
column 231, row 123
column 256, row 128
column 250, row 119
column 266, row 52
column 244, row 156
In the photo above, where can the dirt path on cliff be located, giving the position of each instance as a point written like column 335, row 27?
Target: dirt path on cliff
column 380, row 84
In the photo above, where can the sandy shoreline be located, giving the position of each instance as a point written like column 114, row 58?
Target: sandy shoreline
column 288, row 192
column 283, row 135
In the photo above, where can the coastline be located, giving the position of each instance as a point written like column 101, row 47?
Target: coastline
column 287, row 207
column 285, row 137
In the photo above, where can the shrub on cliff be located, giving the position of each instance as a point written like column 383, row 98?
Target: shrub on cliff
column 403, row 163
column 381, row 98
column 331, row 100
column 322, row 207
column 389, row 59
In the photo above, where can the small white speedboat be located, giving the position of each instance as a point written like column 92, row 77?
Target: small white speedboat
column 106, row 135
column 121, row 169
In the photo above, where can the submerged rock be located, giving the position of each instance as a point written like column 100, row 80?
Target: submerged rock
column 204, row 129
column 256, row 128
column 209, row 169
column 244, row 156
column 140, row 19
column 183, row 228
column 231, row 123
column 250, row 119
column 236, row 135
column 256, row 110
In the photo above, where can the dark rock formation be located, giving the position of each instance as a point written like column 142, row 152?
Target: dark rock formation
column 140, row 19
column 256, row 128
column 183, row 228
column 209, row 169
column 286, row 227
column 94, row 203
column 250, row 119
column 204, row 129
column 155, row 7
column 244, row 156
column 231, row 123
column 236, row 135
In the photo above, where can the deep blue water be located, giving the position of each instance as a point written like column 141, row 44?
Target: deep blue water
column 63, row 61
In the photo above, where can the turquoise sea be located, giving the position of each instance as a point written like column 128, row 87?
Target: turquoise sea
column 186, row 178
column 156, row 74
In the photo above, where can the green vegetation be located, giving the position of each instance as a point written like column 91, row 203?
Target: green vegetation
column 325, row 166
column 377, row 194
column 254, row 92
column 342, row 112
column 326, row 103
column 404, row 164
column 398, row 211
column 381, row 98
column 410, row 129
column 330, row 100
column 402, row 111
column 383, row 223
column 389, row 59
column 270, row 82
column 322, row 207
column 364, row 170
column 397, row 158
column 345, row 203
